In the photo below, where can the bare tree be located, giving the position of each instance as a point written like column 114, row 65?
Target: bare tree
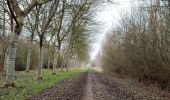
column 18, row 15
column 44, row 23
column 31, row 26
column 73, row 12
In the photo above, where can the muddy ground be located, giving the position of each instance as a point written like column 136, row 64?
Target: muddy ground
column 98, row 86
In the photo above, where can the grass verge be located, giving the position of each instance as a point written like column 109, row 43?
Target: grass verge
column 27, row 85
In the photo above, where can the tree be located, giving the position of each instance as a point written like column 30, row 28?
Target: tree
column 31, row 26
column 44, row 22
column 73, row 12
column 18, row 15
column 5, row 28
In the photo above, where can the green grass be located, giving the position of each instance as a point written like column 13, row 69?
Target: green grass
column 98, row 69
column 28, row 86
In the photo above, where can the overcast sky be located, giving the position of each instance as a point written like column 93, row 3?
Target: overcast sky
column 109, row 16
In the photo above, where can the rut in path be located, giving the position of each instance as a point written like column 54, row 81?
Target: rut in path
column 89, row 93
column 96, row 89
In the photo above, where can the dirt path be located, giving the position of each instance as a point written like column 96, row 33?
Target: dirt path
column 105, row 89
column 88, row 92
column 68, row 89
column 94, row 86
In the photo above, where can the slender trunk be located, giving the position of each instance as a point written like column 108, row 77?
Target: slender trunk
column 67, row 64
column 74, row 61
column 4, row 72
column 55, row 61
column 48, row 66
column 62, row 64
column 40, row 61
column 4, row 24
column 29, row 57
column 3, row 62
column 54, row 65
column 29, row 53
column 6, row 61
column 169, row 16
column 168, row 32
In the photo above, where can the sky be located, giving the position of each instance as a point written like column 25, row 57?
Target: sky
column 109, row 16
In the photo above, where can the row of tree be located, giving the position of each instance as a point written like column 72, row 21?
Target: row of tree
column 140, row 46
column 53, row 30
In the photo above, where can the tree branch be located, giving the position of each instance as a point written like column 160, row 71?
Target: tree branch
column 12, row 13
column 33, row 4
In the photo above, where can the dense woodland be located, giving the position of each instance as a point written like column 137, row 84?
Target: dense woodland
column 56, row 35
column 140, row 46
column 36, row 34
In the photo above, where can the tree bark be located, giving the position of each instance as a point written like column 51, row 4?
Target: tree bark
column 10, row 68
column 4, row 21
column 6, row 62
column 67, row 63
column 168, row 31
column 40, row 64
column 48, row 66
column 62, row 64
column 29, row 57
column 55, row 61
column 169, row 17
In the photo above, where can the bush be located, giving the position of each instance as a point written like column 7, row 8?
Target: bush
column 139, row 50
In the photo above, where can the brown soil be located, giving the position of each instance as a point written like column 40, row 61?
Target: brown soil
column 98, row 86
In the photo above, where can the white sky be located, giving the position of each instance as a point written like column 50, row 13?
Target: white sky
column 109, row 16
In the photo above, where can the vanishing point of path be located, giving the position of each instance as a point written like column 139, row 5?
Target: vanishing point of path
column 93, row 86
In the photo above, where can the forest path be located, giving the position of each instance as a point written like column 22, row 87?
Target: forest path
column 88, row 92
column 95, row 86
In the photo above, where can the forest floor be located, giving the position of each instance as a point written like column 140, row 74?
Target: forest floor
column 94, row 85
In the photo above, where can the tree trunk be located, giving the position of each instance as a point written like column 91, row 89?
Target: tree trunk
column 10, row 69
column 67, row 64
column 48, row 66
column 62, row 64
column 4, row 21
column 29, row 57
column 55, row 61
column 168, row 31
column 169, row 17
column 6, row 62
column 40, row 63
